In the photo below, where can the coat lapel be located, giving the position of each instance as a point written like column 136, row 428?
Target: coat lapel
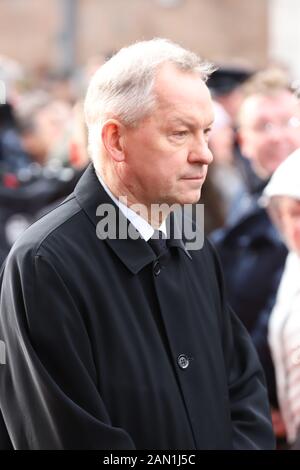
column 134, row 253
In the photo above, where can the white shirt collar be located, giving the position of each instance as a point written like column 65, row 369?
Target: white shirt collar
column 141, row 225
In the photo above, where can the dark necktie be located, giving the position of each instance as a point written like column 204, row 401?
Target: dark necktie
column 158, row 243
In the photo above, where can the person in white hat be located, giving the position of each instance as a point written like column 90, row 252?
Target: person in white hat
column 282, row 198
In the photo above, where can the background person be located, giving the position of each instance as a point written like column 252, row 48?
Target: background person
column 251, row 250
column 282, row 196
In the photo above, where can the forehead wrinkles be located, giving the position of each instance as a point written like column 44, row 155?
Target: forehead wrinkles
column 181, row 97
column 183, row 108
column 172, row 84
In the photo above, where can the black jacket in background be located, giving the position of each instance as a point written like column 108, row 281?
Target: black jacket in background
column 93, row 334
column 253, row 256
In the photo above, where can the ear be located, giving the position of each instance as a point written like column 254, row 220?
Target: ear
column 112, row 138
column 274, row 211
column 243, row 144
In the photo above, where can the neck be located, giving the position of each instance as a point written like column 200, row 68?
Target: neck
column 154, row 214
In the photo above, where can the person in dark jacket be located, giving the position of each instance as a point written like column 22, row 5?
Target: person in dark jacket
column 250, row 248
column 25, row 201
column 116, row 342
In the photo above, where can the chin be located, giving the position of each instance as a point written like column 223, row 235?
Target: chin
column 294, row 246
column 191, row 198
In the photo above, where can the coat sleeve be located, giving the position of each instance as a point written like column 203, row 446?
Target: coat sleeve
column 249, row 404
column 48, row 387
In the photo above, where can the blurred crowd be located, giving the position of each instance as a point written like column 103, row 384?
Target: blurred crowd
column 43, row 152
column 43, row 143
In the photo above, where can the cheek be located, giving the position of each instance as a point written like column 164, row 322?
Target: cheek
column 292, row 233
column 294, row 140
column 296, row 231
column 170, row 161
column 263, row 147
column 270, row 156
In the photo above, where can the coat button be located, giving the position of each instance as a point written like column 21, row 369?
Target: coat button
column 156, row 268
column 183, row 361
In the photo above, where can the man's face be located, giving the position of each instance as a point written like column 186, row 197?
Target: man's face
column 270, row 130
column 167, row 155
column 290, row 222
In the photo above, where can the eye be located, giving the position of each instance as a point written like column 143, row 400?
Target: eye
column 180, row 134
column 207, row 132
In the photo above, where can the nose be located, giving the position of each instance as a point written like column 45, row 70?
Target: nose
column 200, row 152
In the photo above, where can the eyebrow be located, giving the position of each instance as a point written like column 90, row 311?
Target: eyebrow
column 189, row 122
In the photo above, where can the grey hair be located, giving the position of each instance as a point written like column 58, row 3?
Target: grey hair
column 123, row 87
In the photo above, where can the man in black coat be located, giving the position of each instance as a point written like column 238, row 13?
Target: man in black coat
column 116, row 342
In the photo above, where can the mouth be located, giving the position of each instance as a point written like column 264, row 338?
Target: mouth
column 194, row 178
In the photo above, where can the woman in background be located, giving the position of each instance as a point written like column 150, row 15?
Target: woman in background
column 282, row 196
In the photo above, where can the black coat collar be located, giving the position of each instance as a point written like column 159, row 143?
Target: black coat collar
column 135, row 254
